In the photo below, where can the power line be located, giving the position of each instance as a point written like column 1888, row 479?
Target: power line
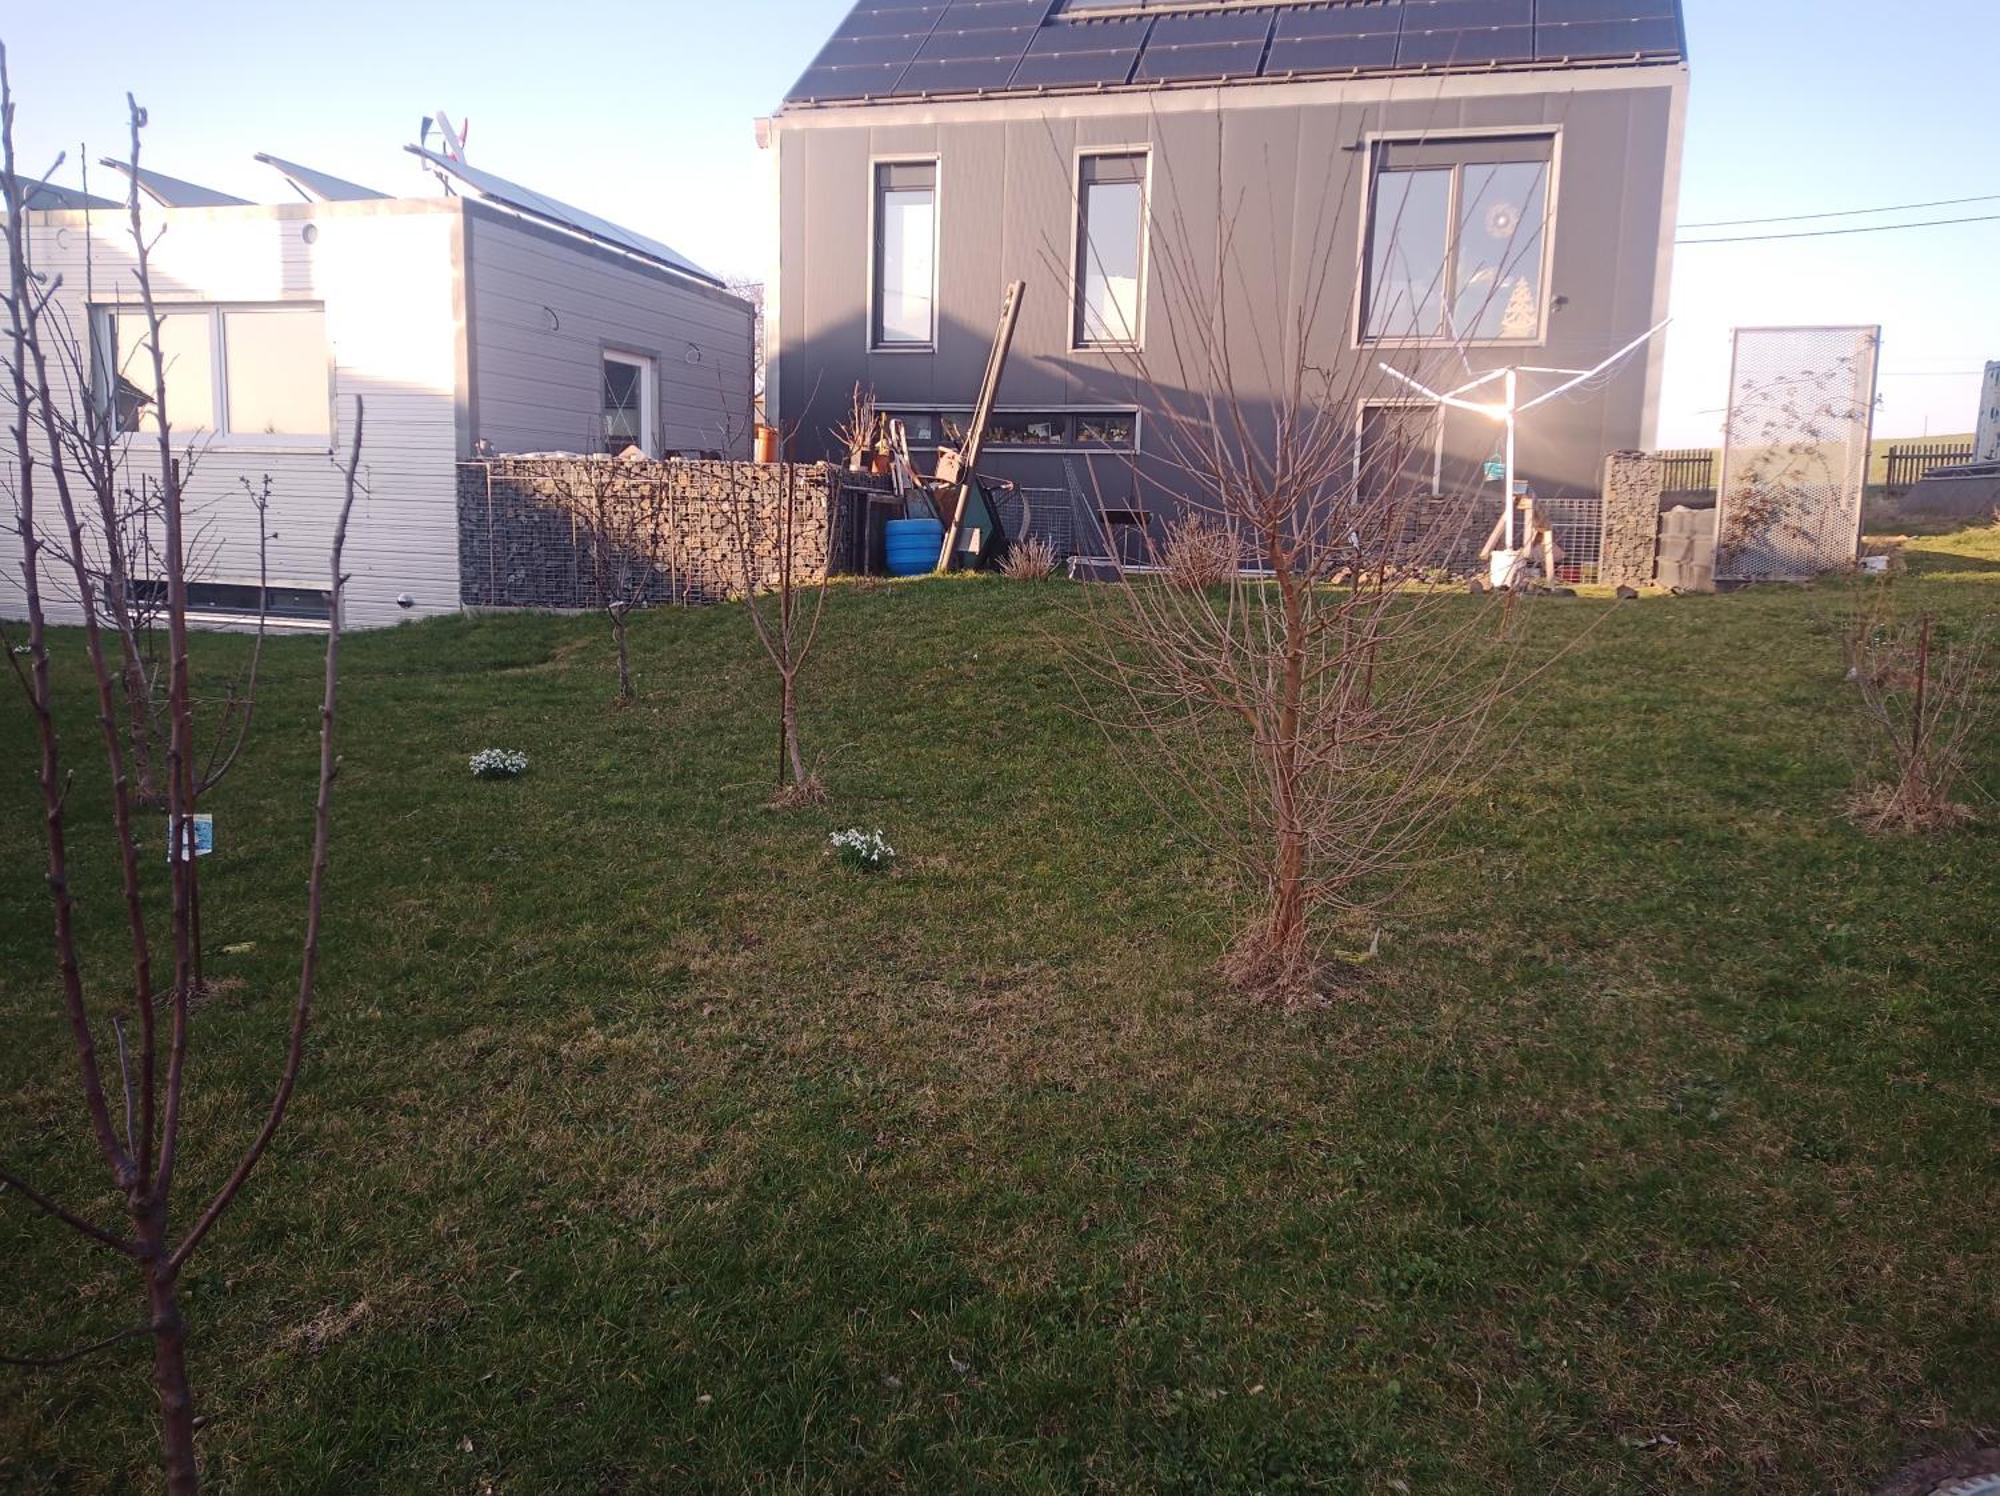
column 1880, row 228
column 1738, row 223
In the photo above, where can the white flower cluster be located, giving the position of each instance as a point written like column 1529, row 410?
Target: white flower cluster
column 865, row 850
column 499, row 763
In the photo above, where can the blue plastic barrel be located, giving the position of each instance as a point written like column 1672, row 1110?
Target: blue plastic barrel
column 911, row 546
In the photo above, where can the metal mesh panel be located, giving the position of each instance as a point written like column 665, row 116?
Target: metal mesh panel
column 1045, row 512
column 1795, row 462
column 1578, row 522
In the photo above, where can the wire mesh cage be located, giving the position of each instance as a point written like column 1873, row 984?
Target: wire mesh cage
column 1578, row 523
column 1795, row 460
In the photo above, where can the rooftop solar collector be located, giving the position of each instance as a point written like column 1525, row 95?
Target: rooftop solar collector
column 927, row 48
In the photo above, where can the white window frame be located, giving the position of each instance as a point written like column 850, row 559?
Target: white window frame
column 1373, row 145
column 221, row 437
column 1137, row 343
column 649, row 395
column 873, row 249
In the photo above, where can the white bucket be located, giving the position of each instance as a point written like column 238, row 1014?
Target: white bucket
column 1507, row 567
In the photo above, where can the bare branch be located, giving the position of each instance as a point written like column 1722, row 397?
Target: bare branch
column 45, row 1363
column 329, row 766
column 69, row 1218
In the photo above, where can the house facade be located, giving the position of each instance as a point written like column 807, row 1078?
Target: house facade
column 1447, row 187
column 487, row 320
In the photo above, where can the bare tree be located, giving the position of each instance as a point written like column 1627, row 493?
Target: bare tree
column 783, row 554
column 621, row 511
column 140, row 1140
column 1320, row 707
column 89, row 396
column 1925, row 696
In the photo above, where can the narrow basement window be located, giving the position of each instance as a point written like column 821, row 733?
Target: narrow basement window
column 629, row 403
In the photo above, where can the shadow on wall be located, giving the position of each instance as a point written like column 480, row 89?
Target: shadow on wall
column 568, row 534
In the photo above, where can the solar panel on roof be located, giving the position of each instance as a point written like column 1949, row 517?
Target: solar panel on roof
column 319, row 186
column 172, row 192
column 1348, row 39
column 1096, row 53
column 993, row 46
column 891, row 20
column 1632, row 38
column 1182, row 48
column 1466, row 46
column 529, row 201
column 1550, row 12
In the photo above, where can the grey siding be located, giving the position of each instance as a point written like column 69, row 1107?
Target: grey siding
column 1285, row 171
column 543, row 309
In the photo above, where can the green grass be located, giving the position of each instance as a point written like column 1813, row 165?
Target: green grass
column 642, row 1148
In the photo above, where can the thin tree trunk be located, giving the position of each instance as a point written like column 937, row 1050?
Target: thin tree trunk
column 170, row 1376
column 625, row 691
column 788, row 714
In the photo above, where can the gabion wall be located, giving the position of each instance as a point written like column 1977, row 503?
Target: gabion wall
column 1634, row 483
column 545, row 532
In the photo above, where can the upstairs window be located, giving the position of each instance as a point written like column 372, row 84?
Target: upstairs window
column 1110, row 250
column 905, row 270
column 243, row 373
column 629, row 403
column 1458, row 241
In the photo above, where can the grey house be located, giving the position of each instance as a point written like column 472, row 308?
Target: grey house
column 1456, row 185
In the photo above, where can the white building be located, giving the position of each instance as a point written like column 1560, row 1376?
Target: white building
column 488, row 320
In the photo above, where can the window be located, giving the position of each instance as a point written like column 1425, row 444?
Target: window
column 1107, row 429
column 1019, row 431
column 1037, row 430
column 1110, row 250
column 905, row 291
column 1400, row 451
column 275, row 372
column 1457, row 241
column 629, row 403
column 238, row 600
column 235, row 372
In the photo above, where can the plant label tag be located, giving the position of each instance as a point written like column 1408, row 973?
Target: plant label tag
column 199, row 837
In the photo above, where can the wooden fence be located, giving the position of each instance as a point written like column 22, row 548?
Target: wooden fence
column 1687, row 473
column 1909, row 465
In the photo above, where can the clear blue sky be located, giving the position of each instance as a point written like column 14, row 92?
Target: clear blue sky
column 642, row 110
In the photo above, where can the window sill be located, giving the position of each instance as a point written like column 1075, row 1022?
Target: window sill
column 1367, row 344
column 206, row 442
column 1107, row 347
column 902, row 348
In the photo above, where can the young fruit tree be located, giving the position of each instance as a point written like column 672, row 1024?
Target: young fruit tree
column 133, row 1094
column 1312, row 701
column 622, row 511
column 1926, row 691
column 783, row 557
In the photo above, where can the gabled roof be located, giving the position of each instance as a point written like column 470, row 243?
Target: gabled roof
column 317, row 186
column 907, row 49
column 172, row 192
column 537, row 205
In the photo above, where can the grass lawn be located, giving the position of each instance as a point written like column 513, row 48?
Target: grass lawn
column 642, row 1148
